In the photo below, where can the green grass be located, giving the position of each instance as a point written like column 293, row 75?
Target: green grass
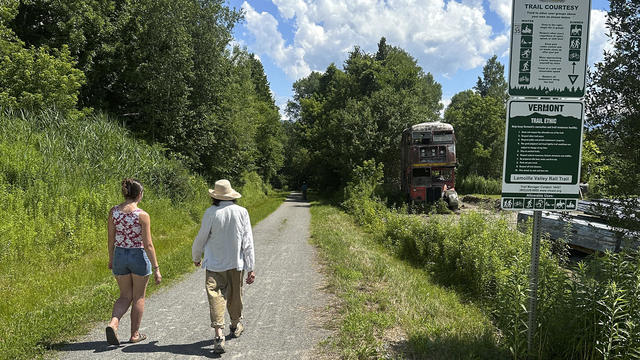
column 390, row 308
column 261, row 209
column 58, row 178
column 474, row 184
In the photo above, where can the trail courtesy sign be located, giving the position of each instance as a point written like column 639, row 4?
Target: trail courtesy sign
column 549, row 41
column 543, row 143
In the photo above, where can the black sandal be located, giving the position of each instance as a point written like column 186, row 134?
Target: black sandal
column 112, row 337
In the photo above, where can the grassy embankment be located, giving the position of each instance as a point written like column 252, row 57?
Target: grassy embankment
column 387, row 301
column 590, row 312
column 58, row 179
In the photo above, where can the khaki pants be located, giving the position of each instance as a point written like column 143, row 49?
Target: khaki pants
column 224, row 288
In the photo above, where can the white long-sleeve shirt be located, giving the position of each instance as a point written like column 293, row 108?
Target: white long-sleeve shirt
column 226, row 239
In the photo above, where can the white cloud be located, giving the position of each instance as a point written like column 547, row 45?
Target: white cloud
column 503, row 9
column 443, row 37
column 445, row 103
column 264, row 28
column 281, row 103
column 598, row 39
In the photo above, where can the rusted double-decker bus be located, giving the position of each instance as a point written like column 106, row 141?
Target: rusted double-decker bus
column 429, row 163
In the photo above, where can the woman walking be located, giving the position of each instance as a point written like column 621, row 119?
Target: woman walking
column 131, row 255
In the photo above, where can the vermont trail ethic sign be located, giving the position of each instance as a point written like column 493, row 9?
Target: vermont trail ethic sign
column 549, row 40
column 542, row 155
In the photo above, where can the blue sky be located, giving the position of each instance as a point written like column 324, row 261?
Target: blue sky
column 450, row 39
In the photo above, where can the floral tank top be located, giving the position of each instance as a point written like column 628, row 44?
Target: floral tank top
column 128, row 228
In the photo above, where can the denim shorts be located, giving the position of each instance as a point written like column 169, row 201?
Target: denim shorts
column 130, row 260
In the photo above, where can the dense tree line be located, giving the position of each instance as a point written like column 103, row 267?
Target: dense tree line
column 478, row 118
column 613, row 106
column 343, row 117
column 163, row 67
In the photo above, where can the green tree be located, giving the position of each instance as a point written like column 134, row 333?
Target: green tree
column 492, row 82
column 164, row 68
column 34, row 77
column 344, row 117
column 613, row 109
column 479, row 124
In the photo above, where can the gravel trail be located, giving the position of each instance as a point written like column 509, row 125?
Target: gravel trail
column 282, row 309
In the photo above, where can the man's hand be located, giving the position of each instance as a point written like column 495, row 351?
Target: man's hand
column 196, row 263
column 251, row 276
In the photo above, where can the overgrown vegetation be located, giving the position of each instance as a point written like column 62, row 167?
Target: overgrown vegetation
column 389, row 308
column 474, row 184
column 589, row 312
column 613, row 109
column 59, row 176
column 161, row 67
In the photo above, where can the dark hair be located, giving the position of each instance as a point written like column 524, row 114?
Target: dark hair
column 216, row 202
column 131, row 189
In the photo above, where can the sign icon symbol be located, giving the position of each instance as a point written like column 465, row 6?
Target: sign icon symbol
column 573, row 78
column 574, row 55
column 576, row 30
column 528, row 204
column 575, row 43
column 550, row 204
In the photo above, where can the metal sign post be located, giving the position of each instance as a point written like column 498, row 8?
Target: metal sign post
column 533, row 278
column 543, row 137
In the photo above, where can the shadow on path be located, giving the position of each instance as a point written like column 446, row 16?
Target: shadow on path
column 196, row 349
column 96, row 346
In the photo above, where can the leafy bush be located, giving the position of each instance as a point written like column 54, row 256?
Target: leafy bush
column 590, row 312
column 253, row 189
column 35, row 78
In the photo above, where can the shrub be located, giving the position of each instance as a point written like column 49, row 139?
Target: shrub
column 252, row 188
column 474, row 184
column 590, row 312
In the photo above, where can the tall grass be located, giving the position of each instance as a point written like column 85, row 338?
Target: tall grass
column 590, row 312
column 389, row 308
column 59, row 176
column 474, row 184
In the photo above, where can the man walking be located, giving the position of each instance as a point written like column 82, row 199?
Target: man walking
column 226, row 240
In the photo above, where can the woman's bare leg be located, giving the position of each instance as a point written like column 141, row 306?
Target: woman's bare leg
column 139, row 290
column 124, row 301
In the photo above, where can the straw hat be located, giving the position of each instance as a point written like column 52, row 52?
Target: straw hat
column 222, row 191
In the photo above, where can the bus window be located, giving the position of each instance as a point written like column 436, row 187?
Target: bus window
column 420, row 176
column 433, row 152
column 443, row 136
column 421, row 138
column 441, row 175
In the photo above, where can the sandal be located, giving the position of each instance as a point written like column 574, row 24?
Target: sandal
column 141, row 337
column 112, row 337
